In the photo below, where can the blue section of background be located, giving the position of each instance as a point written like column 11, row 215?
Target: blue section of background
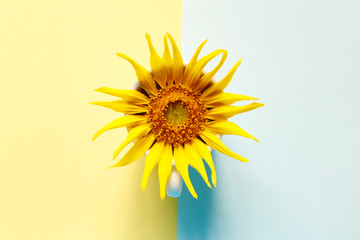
column 301, row 58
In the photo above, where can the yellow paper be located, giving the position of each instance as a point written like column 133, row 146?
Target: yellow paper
column 53, row 180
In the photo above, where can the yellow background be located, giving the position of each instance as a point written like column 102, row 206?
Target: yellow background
column 53, row 182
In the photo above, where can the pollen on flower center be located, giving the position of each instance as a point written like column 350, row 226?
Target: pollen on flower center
column 176, row 114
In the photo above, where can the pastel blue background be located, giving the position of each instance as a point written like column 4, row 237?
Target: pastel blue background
column 301, row 58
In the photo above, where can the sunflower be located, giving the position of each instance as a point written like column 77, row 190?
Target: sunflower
column 176, row 112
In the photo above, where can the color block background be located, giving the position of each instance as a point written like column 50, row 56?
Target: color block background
column 52, row 179
column 302, row 59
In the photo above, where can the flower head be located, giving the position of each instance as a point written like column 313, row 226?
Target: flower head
column 176, row 113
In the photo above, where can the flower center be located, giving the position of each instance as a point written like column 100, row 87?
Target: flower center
column 176, row 114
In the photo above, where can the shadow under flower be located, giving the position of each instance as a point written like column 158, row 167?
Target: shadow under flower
column 195, row 216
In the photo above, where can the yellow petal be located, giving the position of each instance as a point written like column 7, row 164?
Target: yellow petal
column 196, row 162
column 225, row 112
column 226, row 99
column 195, row 74
column 156, row 64
column 134, row 133
column 195, row 56
column 139, row 148
column 151, row 161
column 189, row 67
column 182, row 166
column 127, row 121
column 144, row 76
column 202, row 149
column 122, row 106
column 226, row 127
column 220, row 86
column 178, row 66
column 214, row 142
column 168, row 61
column 164, row 169
column 206, row 78
column 132, row 96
